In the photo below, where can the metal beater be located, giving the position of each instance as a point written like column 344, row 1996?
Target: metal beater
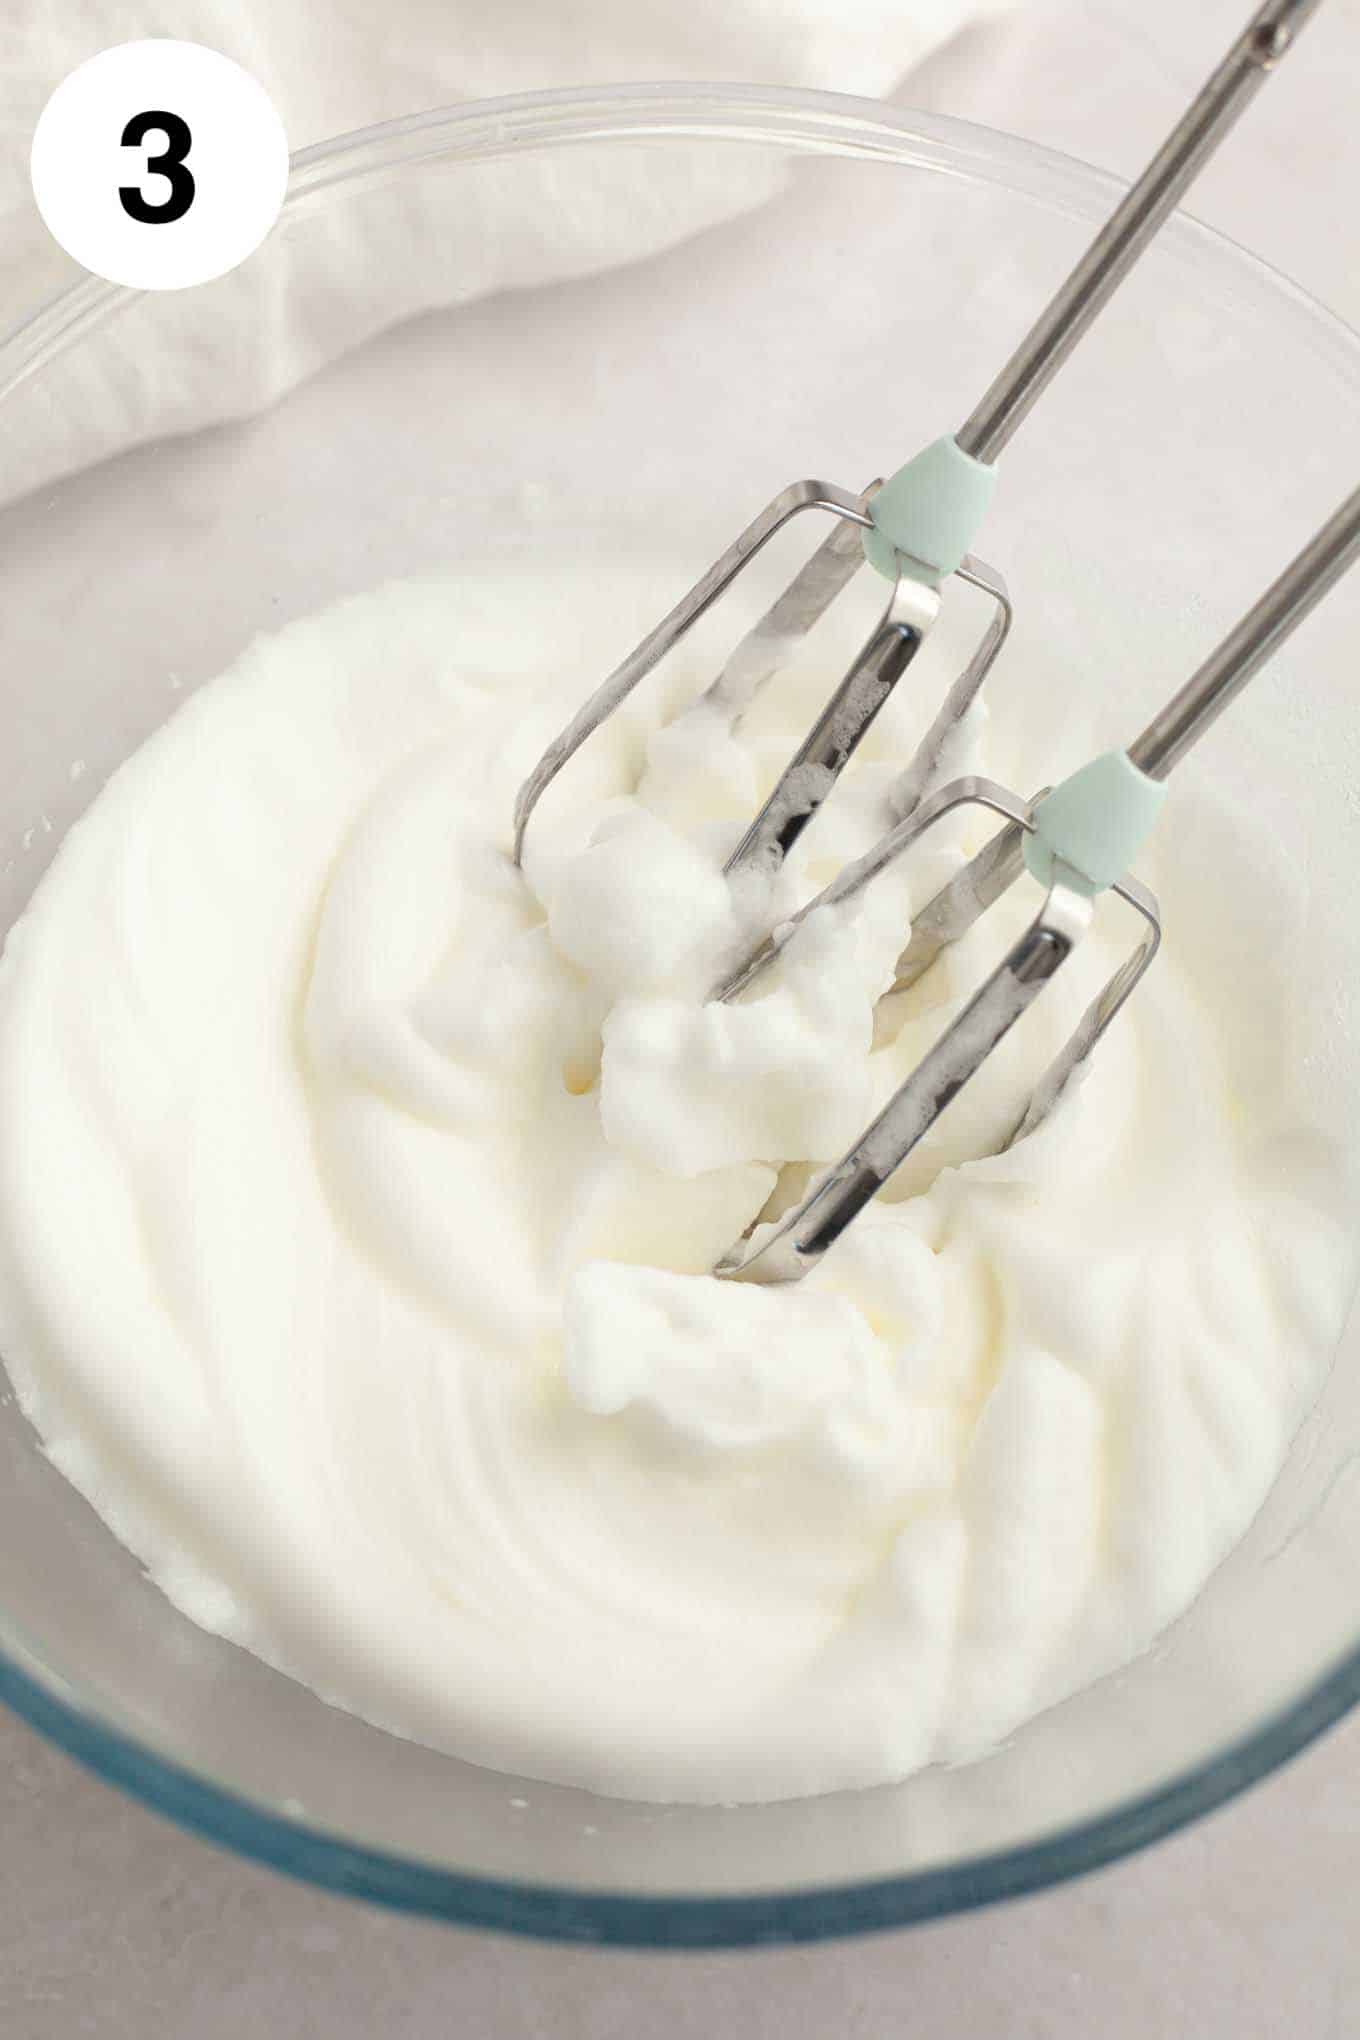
column 1078, row 841
column 917, row 526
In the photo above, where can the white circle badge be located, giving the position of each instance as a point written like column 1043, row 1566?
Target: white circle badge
column 159, row 164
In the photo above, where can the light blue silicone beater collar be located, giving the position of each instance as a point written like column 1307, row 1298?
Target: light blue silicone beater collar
column 926, row 514
column 1094, row 823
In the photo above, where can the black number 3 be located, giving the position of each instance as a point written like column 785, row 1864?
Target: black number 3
column 169, row 164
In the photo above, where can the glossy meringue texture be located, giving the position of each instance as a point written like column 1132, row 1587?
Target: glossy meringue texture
column 357, row 1194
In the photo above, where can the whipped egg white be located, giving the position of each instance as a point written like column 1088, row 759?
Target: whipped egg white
column 358, row 1193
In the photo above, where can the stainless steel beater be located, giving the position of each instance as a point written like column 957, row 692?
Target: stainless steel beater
column 916, row 527
column 1077, row 841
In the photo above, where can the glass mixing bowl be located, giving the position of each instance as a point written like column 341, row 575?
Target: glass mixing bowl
column 873, row 268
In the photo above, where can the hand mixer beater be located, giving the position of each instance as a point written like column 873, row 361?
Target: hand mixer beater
column 1078, row 839
column 917, row 526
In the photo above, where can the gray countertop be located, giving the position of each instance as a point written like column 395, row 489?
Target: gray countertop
column 115, row 1924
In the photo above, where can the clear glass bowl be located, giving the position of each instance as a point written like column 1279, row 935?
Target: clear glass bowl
column 1191, row 445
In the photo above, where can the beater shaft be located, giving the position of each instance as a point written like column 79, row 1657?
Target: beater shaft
column 1134, row 222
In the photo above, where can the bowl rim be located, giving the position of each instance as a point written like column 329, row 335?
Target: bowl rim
column 799, row 120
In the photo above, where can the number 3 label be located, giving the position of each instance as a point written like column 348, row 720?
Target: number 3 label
column 171, row 163
column 159, row 164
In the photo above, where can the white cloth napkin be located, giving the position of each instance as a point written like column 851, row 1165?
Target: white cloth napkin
column 332, row 65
